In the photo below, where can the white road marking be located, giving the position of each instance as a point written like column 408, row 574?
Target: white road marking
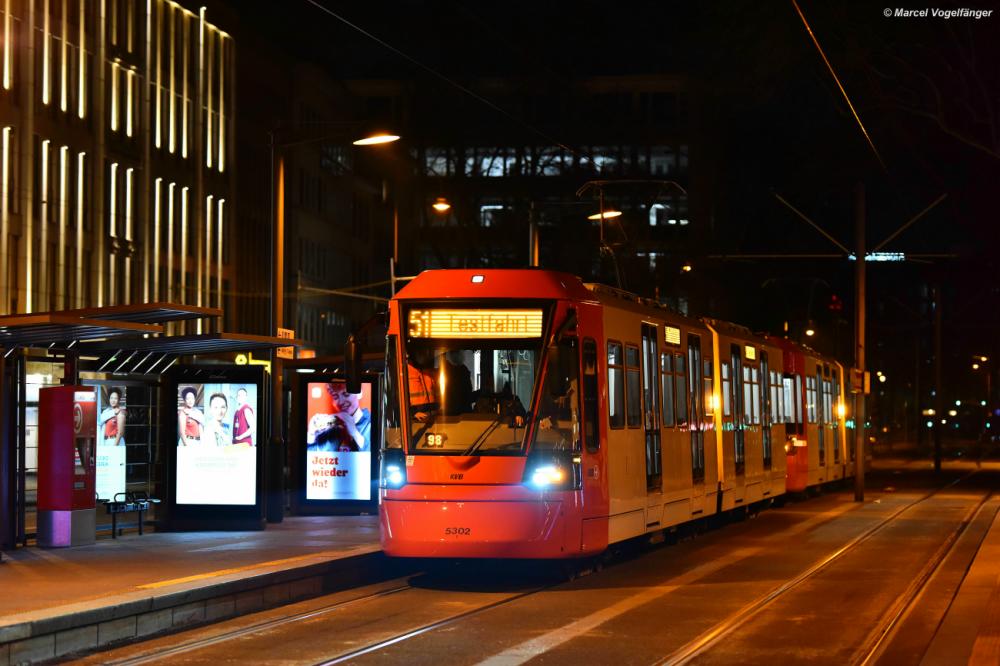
column 536, row 646
column 530, row 649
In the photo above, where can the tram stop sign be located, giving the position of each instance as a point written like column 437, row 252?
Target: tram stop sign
column 286, row 352
column 860, row 381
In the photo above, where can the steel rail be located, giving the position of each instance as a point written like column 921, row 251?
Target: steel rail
column 876, row 641
column 708, row 639
column 375, row 647
column 252, row 629
column 436, row 625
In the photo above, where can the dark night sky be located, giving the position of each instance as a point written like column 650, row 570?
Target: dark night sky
column 927, row 89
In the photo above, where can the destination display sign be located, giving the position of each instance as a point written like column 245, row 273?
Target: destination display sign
column 470, row 323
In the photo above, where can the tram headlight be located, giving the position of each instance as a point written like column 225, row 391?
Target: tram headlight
column 393, row 469
column 551, row 470
column 547, row 476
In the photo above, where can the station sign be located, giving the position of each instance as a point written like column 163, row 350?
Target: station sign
column 860, row 382
column 286, row 352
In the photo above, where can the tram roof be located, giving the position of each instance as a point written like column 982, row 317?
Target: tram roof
column 512, row 283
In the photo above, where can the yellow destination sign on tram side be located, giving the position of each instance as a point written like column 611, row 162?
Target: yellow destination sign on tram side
column 440, row 323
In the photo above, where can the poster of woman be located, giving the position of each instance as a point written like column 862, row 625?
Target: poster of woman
column 110, row 463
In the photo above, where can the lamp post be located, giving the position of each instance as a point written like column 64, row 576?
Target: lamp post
column 277, row 286
column 277, row 217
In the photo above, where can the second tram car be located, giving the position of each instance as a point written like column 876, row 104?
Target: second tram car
column 530, row 415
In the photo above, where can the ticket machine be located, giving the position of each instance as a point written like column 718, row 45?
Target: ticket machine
column 67, row 440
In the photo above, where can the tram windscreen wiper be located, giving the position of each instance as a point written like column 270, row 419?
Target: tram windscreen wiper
column 483, row 436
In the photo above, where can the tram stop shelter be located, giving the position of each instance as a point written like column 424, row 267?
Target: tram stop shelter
column 127, row 341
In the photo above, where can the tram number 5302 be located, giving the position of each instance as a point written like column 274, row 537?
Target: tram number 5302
column 457, row 531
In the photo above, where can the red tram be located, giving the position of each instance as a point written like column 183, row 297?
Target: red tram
column 530, row 415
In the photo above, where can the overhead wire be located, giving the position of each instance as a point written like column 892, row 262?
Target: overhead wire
column 839, row 84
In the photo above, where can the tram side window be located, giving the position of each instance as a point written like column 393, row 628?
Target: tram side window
column 829, row 402
column 558, row 404
column 792, row 389
column 633, row 397
column 811, row 399
column 774, row 397
column 650, row 378
column 777, row 399
column 667, row 394
column 391, row 434
column 726, row 406
column 751, row 397
column 590, row 432
column 799, row 392
column 682, row 393
column 710, row 405
column 836, row 393
column 616, row 385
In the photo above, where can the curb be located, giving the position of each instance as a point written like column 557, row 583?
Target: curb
column 138, row 615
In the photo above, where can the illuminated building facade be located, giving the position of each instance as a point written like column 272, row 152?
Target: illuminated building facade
column 116, row 178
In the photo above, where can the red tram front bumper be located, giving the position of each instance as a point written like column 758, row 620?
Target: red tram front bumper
column 477, row 528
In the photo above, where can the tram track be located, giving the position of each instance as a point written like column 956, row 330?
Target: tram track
column 406, row 595
column 165, row 653
column 708, row 639
column 375, row 647
column 881, row 637
column 220, row 639
column 210, row 641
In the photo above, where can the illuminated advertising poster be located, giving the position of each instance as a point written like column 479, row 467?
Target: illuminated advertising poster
column 83, row 436
column 111, row 414
column 216, row 444
column 338, row 442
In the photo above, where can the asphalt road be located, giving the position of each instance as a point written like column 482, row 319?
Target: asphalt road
column 821, row 580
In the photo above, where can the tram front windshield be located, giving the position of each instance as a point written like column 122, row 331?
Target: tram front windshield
column 470, row 399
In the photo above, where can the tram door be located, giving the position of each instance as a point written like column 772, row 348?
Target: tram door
column 838, row 438
column 739, row 408
column 696, row 382
column 651, row 403
column 819, row 398
column 765, row 408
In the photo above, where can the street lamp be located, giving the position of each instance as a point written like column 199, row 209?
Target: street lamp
column 605, row 215
column 376, row 139
column 441, row 205
column 277, row 228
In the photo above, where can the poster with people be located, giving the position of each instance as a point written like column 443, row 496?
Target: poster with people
column 338, row 442
column 111, row 415
column 216, row 443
